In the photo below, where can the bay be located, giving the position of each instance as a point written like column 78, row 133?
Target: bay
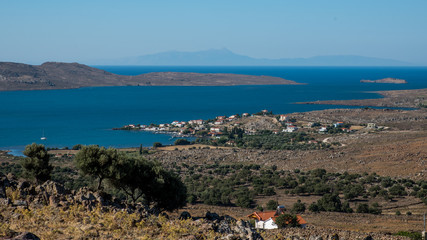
column 87, row 115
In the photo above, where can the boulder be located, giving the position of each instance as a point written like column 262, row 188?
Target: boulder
column 53, row 201
column 4, row 183
column 229, row 219
column 84, row 195
column 26, row 236
column 335, row 237
column 185, row 215
column 53, row 188
column 20, row 203
column 212, row 216
column 23, row 185
column 223, row 227
column 4, row 201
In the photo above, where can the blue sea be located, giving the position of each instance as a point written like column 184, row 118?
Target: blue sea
column 87, row 115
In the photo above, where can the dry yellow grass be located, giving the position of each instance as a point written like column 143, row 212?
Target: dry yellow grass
column 77, row 222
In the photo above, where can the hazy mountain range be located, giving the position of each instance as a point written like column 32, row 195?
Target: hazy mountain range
column 225, row 57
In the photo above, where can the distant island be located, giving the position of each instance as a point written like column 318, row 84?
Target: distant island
column 225, row 57
column 57, row 75
column 386, row 80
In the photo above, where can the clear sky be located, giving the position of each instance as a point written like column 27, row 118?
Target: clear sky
column 79, row 30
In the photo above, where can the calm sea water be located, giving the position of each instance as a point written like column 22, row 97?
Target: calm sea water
column 87, row 115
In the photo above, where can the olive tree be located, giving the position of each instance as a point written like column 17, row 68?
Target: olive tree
column 36, row 164
column 96, row 161
column 139, row 178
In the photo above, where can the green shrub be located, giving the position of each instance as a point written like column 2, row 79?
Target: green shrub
column 330, row 203
column 182, row 141
column 158, row 144
column 314, row 207
column 287, row 220
column 298, row 207
column 269, row 191
column 363, row 208
column 411, row 235
column 272, row 205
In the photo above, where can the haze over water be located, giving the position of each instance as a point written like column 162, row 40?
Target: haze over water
column 87, row 115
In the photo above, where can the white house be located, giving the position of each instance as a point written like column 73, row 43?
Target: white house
column 338, row 124
column 215, row 130
column 290, row 129
column 323, row 130
column 197, row 122
column 232, row 117
column 219, row 122
column 267, row 224
column 265, row 220
column 283, row 118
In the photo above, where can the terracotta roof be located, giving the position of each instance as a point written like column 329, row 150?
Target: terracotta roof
column 301, row 220
column 262, row 216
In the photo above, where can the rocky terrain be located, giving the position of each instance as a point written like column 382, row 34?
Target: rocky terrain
column 386, row 80
column 49, row 211
column 55, row 75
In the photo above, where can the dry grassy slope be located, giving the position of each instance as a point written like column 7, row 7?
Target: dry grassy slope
column 396, row 98
column 399, row 119
column 395, row 153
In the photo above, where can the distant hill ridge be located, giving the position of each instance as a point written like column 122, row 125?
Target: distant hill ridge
column 225, row 57
column 56, row 75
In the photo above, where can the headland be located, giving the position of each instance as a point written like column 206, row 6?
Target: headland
column 57, row 75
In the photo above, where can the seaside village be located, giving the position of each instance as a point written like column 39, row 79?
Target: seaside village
column 249, row 123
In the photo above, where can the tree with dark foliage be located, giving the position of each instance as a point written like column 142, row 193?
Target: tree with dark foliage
column 36, row 164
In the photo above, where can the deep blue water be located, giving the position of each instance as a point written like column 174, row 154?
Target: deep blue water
column 87, row 115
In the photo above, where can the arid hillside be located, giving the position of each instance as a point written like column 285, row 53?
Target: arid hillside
column 55, row 75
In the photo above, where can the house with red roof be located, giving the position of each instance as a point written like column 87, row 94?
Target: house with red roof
column 283, row 118
column 265, row 220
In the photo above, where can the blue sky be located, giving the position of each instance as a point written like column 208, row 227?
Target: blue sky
column 79, row 30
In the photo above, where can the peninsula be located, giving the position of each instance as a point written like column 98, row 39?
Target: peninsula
column 56, row 75
column 414, row 98
column 386, row 80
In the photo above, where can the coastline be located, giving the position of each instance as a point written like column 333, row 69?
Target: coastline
column 57, row 75
column 400, row 99
column 415, row 98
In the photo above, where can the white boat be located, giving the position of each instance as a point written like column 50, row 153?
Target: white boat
column 43, row 137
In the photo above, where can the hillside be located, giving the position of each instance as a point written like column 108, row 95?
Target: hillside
column 54, row 75
column 414, row 98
